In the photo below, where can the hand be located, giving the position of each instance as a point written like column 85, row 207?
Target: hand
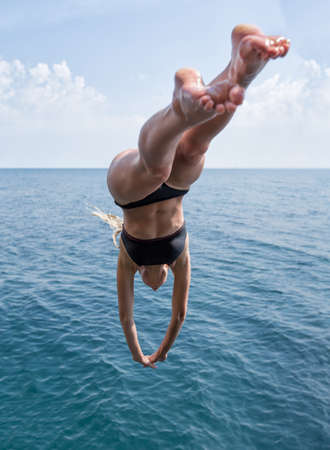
column 157, row 357
column 147, row 362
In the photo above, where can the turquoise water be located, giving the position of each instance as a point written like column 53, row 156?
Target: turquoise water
column 250, row 369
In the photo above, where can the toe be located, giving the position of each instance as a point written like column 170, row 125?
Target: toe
column 209, row 105
column 273, row 51
column 283, row 51
column 280, row 40
column 220, row 108
column 204, row 100
column 279, row 46
column 230, row 107
column 236, row 95
column 286, row 46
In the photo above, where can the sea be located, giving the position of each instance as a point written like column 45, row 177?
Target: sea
column 250, row 369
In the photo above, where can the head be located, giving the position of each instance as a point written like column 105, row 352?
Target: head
column 154, row 276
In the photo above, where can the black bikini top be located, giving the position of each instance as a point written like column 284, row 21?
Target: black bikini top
column 163, row 193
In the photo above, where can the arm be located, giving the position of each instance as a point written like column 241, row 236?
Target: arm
column 125, row 288
column 181, row 271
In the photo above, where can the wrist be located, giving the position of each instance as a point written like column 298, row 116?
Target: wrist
column 138, row 358
column 161, row 354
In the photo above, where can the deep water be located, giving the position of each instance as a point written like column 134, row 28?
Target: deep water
column 250, row 369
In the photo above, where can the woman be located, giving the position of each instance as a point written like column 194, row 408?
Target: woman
column 150, row 182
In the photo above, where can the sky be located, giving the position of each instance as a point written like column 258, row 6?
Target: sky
column 78, row 78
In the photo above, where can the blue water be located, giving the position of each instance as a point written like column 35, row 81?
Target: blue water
column 250, row 369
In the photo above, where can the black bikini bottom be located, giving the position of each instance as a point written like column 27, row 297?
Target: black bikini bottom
column 147, row 252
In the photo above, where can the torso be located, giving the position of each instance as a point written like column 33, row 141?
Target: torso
column 155, row 220
column 127, row 185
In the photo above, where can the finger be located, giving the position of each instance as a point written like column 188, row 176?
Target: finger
column 150, row 364
column 151, row 359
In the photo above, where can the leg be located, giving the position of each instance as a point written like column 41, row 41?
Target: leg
column 135, row 173
column 251, row 51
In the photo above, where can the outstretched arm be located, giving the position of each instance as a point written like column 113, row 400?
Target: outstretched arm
column 181, row 272
column 125, row 288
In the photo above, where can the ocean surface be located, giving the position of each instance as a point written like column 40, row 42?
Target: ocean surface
column 250, row 369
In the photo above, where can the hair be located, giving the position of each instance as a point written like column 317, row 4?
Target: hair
column 114, row 222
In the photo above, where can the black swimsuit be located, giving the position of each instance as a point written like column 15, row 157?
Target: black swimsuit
column 165, row 192
column 164, row 250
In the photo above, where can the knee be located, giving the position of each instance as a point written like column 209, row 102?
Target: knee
column 159, row 173
column 192, row 151
column 192, row 146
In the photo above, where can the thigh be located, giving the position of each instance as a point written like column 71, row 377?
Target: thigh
column 128, row 180
column 186, row 169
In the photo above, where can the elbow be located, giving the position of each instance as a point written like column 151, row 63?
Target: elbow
column 126, row 322
column 180, row 316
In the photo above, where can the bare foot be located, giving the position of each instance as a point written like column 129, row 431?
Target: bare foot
column 197, row 102
column 251, row 52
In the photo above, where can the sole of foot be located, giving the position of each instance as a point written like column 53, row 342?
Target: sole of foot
column 197, row 102
column 251, row 51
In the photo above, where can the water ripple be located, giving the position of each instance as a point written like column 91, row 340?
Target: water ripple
column 250, row 367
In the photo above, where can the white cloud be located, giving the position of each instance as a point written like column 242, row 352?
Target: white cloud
column 290, row 101
column 284, row 122
column 49, row 107
column 44, row 93
column 51, row 117
column 313, row 68
column 40, row 73
column 62, row 71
